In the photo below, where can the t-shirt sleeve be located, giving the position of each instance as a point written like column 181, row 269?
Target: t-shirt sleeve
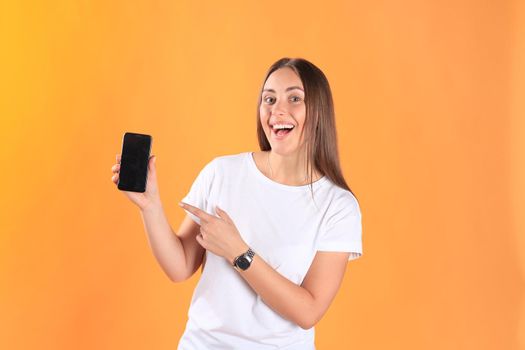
column 342, row 230
column 198, row 195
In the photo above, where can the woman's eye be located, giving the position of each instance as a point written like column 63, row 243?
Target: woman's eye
column 270, row 99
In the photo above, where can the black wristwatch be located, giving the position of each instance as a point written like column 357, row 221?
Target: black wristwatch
column 244, row 261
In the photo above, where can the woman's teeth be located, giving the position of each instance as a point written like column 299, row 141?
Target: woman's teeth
column 278, row 127
column 283, row 126
column 282, row 129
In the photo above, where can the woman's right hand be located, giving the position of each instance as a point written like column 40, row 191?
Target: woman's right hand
column 151, row 195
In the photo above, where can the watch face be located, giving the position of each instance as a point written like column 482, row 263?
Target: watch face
column 243, row 263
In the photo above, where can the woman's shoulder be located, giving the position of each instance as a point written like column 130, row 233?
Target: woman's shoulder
column 231, row 157
column 341, row 197
column 230, row 160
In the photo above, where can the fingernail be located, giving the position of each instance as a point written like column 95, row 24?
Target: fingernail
column 181, row 204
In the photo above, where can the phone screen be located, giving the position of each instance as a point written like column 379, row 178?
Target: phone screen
column 134, row 162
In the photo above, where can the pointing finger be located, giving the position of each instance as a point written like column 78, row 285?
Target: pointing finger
column 201, row 214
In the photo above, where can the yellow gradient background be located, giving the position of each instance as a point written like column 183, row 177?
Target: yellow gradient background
column 430, row 112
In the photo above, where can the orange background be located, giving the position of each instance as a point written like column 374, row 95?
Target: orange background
column 429, row 99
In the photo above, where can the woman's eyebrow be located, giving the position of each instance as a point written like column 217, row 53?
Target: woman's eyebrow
column 287, row 89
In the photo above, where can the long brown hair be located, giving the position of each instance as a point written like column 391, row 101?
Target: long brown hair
column 319, row 121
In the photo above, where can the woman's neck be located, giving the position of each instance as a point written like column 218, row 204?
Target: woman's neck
column 288, row 169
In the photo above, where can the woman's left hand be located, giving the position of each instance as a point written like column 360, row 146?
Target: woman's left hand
column 218, row 234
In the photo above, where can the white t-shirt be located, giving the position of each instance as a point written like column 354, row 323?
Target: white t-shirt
column 285, row 228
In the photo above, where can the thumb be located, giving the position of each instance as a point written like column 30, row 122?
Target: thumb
column 222, row 214
column 152, row 161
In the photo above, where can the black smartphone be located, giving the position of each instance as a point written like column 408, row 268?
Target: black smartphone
column 134, row 160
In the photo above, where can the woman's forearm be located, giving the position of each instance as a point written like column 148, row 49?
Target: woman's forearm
column 166, row 246
column 288, row 299
column 291, row 301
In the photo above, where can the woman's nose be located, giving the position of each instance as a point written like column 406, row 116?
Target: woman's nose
column 278, row 108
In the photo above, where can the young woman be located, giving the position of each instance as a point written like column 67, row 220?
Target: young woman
column 273, row 230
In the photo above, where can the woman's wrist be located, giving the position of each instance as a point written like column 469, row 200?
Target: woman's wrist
column 243, row 248
column 151, row 207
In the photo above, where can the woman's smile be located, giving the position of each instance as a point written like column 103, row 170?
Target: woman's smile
column 281, row 131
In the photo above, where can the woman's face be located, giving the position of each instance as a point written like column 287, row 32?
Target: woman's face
column 282, row 103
